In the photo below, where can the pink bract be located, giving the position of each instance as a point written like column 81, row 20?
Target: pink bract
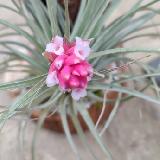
column 55, row 46
column 69, row 67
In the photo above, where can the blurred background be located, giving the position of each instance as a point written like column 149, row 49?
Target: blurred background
column 134, row 134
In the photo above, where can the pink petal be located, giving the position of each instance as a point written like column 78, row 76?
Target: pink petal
column 66, row 73
column 50, row 47
column 78, row 93
column 80, row 42
column 62, row 83
column 52, row 79
column 70, row 51
column 79, row 68
column 74, row 81
column 89, row 69
column 59, row 50
column 56, row 46
column 90, row 73
column 83, row 82
column 58, row 40
column 82, row 49
column 54, row 49
column 72, row 60
column 58, row 62
column 66, row 46
column 89, row 77
column 52, row 68
column 83, row 53
column 75, row 72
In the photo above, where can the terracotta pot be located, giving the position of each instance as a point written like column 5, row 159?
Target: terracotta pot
column 54, row 122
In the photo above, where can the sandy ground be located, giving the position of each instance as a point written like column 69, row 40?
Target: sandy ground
column 134, row 134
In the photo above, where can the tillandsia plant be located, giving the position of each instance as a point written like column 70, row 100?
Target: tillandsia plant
column 66, row 61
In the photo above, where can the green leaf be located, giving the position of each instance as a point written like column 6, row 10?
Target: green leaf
column 8, row 34
column 149, row 70
column 112, row 115
column 89, row 122
column 16, row 4
column 18, row 30
column 27, row 58
column 120, row 51
column 28, row 82
column 79, row 19
column 147, row 26
column 21, row 136
column 53, row 99
column 8, row 8
column 148, row 35
column 60, row 19
column 21, row 102
column 34, row 25
column 38, row 102
column 117, row 25
column 38, row 56
column 132, row 92
column 80, row 131
column 52, row 12
column 63, row 114
column 133, row 25
column 67, row 21
column 137, row 77
column 42, row 117
column 106, row 15
column 103, row 109
column 41, row 17
column 28, row 97
column 90, row 26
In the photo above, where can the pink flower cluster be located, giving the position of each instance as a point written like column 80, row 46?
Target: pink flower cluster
column 69, row 68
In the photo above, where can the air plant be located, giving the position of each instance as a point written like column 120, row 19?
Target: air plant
column 66, row 62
